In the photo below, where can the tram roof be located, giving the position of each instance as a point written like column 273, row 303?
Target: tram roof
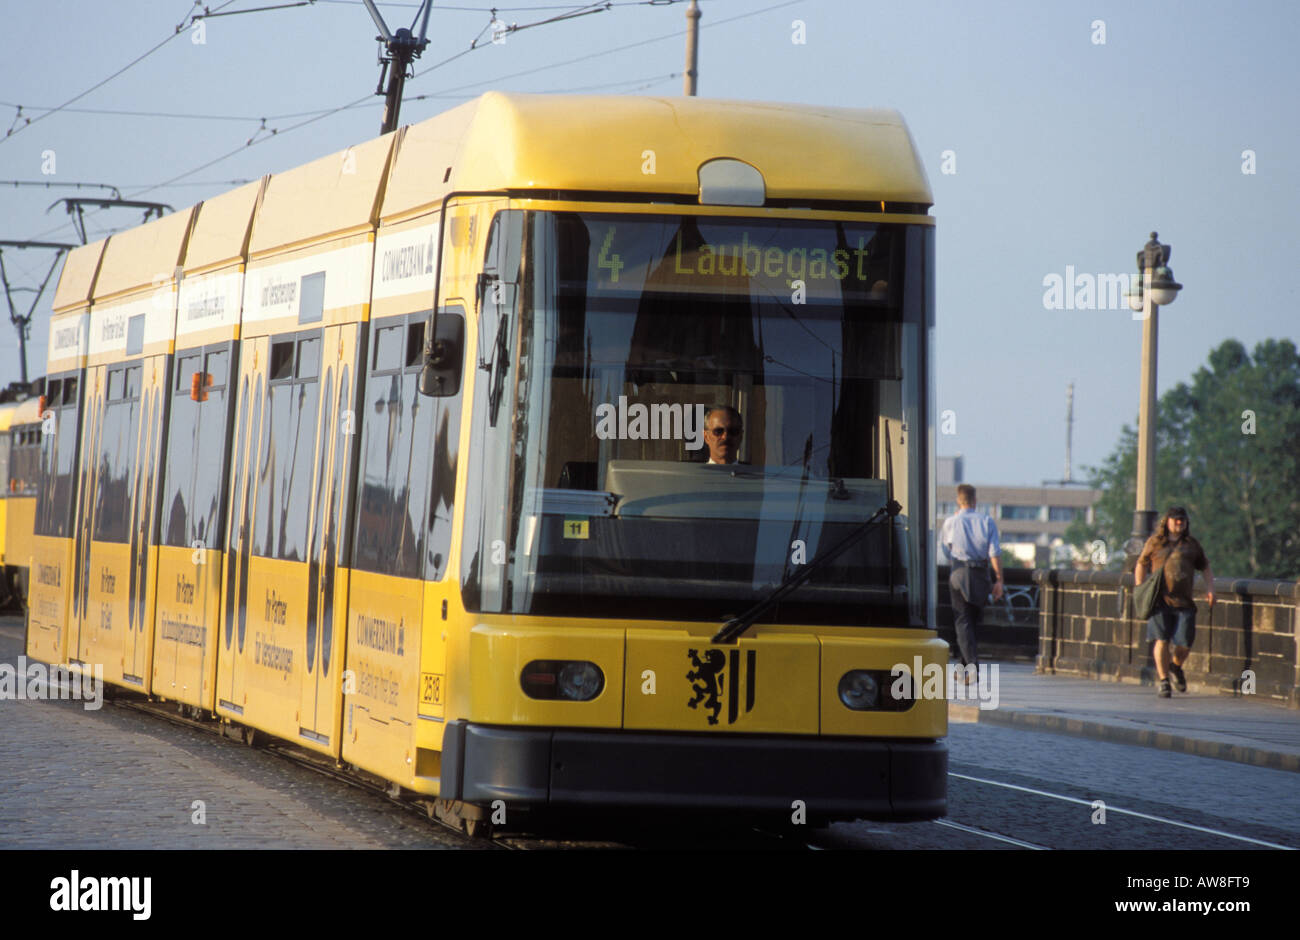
column 599, row 143
column 28, row 411
column 144, row 256
column 330, row 196
column 221, row 230
column 78, row 276
column 518, row 143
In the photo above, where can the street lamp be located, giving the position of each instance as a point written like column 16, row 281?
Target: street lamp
column 1156, row 288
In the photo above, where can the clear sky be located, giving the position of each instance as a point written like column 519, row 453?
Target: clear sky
column 1074, row 130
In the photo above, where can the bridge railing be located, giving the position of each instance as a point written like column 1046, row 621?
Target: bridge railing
column 1246, row 644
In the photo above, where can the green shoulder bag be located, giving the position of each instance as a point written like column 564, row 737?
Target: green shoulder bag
column 1146, row 596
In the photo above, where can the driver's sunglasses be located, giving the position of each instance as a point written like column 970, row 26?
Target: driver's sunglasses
column 726, row 432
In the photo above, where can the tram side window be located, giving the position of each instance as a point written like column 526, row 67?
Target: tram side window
column 6, row 448
column 46, row 520
column 288, row 448
column 196, row 448
column 57, row 452
column 408, row 444
column 25, row 463
column 118, row 443
column 388, row 534
column 206, row 518
column 17, row 462
column 182, row 449
column 446, row 453
column 281, row 361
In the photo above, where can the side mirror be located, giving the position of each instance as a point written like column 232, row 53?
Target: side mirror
column 443, row 358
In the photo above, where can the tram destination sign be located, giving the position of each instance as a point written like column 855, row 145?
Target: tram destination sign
column 817, row 261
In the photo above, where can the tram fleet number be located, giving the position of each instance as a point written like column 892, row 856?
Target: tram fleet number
column 430, row 688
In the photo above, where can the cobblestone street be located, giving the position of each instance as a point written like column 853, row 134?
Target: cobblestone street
column 113, row 778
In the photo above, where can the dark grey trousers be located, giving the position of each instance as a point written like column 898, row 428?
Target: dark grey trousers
column 970, row 590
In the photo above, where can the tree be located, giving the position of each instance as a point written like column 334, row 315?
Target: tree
column 1009, row 560
column 1226, row 448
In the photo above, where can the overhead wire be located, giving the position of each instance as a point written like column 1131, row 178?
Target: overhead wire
column 501, row 9
column 255, row 140
column 579, row 11
column 247, row 118
column 173, row 115
column 314, row 116
column 279, row 6
column 195, row 116
column 631, row 45
column 12, row 132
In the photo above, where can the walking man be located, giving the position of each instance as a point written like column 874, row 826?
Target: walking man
column 971, row 540
column 1173, row 554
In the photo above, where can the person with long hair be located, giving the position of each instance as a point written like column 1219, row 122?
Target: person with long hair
column 1176, row 556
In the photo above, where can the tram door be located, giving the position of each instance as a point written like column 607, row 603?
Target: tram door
column 231, row 677
column 338, row 425
column 79, row 639
column 144, row 499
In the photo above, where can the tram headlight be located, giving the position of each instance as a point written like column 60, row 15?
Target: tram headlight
column 574, row 681
column 859, row 690
column 580, row 681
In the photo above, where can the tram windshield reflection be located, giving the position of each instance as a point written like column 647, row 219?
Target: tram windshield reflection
column 593, row 493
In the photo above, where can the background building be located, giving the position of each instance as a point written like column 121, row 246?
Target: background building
column 1031, row 519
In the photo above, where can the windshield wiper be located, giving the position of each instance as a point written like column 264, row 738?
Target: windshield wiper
column 738, row 625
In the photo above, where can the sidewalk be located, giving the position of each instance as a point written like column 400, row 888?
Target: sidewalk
column 1207, row 724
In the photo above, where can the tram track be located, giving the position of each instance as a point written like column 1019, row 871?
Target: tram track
column 987, row 834
column 757, row 837
column 1110, row 808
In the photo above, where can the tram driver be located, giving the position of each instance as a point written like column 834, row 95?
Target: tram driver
column 723, row 430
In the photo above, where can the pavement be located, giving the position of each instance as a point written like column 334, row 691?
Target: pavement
column 1238, row 728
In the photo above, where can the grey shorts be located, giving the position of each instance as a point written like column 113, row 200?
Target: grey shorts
column 1177, row 624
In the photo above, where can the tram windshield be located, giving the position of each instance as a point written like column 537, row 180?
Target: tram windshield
column 675, row 412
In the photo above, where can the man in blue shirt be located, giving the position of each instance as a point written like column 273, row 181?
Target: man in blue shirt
column 971, row 540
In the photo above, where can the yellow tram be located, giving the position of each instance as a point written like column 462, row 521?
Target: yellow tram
column 20, row 447
column 406, row 456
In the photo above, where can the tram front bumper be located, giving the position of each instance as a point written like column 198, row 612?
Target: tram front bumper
column 876, row 778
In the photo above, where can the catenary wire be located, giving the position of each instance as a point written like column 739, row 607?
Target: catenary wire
column 14, row 131
column 319, row 115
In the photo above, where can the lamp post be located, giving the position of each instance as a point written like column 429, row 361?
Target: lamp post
column 1156, row 288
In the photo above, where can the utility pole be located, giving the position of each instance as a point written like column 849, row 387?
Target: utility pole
column 692, row 48
column 1069, row 428
column 402, row 48
column 1068, row 479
